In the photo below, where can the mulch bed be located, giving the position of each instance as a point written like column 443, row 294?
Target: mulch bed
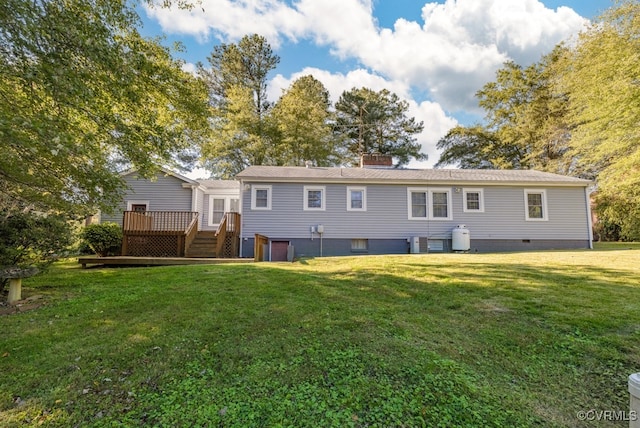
column 28, row 304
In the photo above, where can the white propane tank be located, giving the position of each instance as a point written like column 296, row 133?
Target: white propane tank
column 460, row 238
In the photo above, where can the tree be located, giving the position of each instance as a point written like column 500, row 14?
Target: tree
column 476, row 147
column 602, row 78
column 526, row 122
column 82, row 90
column 303, row 120
column 238, row 139
column 237, row 79
column 369, row 121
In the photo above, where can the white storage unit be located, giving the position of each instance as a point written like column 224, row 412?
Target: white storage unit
column 460, row 238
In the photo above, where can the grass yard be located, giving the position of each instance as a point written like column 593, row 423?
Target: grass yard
column 497, row 340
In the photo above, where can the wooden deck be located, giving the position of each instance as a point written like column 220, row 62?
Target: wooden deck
column 155, row 261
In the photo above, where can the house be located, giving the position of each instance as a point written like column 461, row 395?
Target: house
column 172, row 215
column 375, row 209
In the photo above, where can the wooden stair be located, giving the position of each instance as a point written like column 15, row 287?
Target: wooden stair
column 203, row 245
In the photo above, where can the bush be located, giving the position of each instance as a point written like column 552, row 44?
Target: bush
column 104, row 239
column 29, row 239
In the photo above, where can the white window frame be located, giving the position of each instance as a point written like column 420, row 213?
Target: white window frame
column 411, row 190
column 429, row 191
column 350, row 190
column 545, row 212
column 227, row 206
column 130, row 204
column 323, row 200
column 254, row 190
column 465, row 208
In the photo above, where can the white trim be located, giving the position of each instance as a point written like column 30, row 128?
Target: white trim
column 137, row 202
column 411, row 190
column 362, row 189
column 194, row 199
column 323, row 200
column 227, row 206
column 480, row 192
column 429, row 191
column 254, row 189
column 545, row 212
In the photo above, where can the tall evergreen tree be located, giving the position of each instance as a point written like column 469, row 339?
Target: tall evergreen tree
column 369, row 122
column 235, row 72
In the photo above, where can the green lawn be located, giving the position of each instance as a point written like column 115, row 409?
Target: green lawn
column 519, row 339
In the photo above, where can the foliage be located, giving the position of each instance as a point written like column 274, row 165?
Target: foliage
column 476, row 147
column 427, row 340
column 526, row 124
column 574, row 112
column 248, row 130
column 81, row 91
column 29, row 239
column 105, row 239
column 303, row 120
column 602, row 78
column 237, row 82
column 376, row 122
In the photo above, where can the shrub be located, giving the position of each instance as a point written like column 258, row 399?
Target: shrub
column 104, row 239
column 29, row 239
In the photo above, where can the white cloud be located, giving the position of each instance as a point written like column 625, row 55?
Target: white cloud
column 230, row 20
column 337, row 83
column 454, row 49
column 436, row 125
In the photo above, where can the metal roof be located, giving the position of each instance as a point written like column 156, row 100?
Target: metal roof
column 442, row 176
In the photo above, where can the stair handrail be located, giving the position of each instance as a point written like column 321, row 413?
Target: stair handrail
column 221, row 235
column 191, row 233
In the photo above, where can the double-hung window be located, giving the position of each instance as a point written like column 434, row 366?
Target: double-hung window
column 356, row 198
column 535, row 204
column 260, row 197
column 473, row 200
column 429, row 203
column 314, row 198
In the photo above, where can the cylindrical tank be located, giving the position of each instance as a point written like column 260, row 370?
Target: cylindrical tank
column 460, row 238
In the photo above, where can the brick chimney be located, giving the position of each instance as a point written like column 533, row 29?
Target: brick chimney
column 376, row 160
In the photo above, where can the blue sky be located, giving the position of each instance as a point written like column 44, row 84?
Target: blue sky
column 436, row 55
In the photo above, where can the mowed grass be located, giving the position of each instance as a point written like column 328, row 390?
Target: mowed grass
column 503, row 340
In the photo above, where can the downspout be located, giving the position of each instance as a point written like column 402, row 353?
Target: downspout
column 587, row 198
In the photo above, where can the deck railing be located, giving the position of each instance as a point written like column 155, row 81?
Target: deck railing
column 228, row 235
column 259, row 245
column 158, row 233
column 158, row 221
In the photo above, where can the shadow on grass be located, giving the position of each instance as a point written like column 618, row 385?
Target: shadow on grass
column 389, row 342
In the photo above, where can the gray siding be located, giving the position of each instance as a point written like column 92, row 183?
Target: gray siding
column 387, row 217
column 165, row 194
